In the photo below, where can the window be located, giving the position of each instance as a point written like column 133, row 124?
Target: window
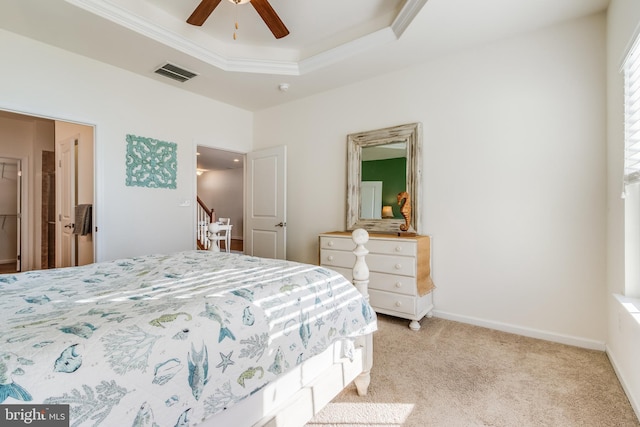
column 632, row 115
column 631, row 69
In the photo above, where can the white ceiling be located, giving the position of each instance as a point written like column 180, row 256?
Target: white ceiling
column 331, row 42
column 212, row 159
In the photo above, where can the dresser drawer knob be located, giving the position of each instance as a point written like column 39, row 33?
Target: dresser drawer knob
column 330, row 258
column 330, row 243
column 398, row 304
column 398, row 248
column 398, row 284
column 398, row 266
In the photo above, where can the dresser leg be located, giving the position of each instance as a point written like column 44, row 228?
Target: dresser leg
column 414, row 325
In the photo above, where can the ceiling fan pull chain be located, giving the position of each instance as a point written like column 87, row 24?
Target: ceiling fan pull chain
column 236, row 16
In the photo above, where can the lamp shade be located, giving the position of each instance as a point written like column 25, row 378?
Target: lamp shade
column 387, row 212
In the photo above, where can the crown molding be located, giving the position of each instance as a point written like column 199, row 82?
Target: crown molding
column 347, row 50
column 406, row 15
column 125, row 18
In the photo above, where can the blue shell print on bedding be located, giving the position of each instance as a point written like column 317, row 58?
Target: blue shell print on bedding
column 166, row 339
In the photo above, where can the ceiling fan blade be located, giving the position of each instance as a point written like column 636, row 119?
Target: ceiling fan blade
column 202, row 12
column 270, row 17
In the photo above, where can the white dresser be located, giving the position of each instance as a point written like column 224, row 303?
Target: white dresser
column 400, row 271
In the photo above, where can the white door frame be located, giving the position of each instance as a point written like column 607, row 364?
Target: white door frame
column 98, row 202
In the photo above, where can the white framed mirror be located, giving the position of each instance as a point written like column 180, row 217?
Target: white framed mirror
column 382, row 163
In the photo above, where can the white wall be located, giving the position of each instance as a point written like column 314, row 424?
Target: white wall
column 514, row 175
column 50, row 82
column 623, row 344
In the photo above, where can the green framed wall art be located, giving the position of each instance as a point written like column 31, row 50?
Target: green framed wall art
column 151, row 163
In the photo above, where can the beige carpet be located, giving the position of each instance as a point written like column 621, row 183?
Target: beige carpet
column 453, row 374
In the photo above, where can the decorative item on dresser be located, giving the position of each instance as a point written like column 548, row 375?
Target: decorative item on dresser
column 404, row 200
column 400, row 281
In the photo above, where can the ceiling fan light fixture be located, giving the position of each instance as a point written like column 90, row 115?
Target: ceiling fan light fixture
column 263, row 7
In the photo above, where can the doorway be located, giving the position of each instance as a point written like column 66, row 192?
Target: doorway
column 32, row 140
column 220, row 187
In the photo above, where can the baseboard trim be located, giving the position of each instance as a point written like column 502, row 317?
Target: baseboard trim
column 527, row 332
column 634, row 403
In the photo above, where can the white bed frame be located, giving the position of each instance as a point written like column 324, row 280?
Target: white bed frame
column 296, row 397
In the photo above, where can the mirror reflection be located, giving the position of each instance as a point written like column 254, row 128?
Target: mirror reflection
column 381, row 164
column 384, row 175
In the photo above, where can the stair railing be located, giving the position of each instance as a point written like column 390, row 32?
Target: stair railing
column 204, row 217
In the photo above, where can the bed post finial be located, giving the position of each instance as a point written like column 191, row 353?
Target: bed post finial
column 360, row 236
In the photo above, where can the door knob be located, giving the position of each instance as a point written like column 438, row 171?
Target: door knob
column 281, row 224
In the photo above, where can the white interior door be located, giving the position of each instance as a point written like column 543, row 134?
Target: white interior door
column 266, row 215
column 371, row 199
column 65, row 202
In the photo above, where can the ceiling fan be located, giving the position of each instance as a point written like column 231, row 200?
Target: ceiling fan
column 264, row 9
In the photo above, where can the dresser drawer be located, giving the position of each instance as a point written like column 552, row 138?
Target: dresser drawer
column 337, row 243
column 391, row 301
column 336, row 258
column 391, row 283
column 405, row 266
column 403, row 247
column 404, row 285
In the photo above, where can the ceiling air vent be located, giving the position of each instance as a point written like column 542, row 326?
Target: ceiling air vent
column 176, row 73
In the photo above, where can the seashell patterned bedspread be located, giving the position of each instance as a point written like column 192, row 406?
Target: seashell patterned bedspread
column 166, row 339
